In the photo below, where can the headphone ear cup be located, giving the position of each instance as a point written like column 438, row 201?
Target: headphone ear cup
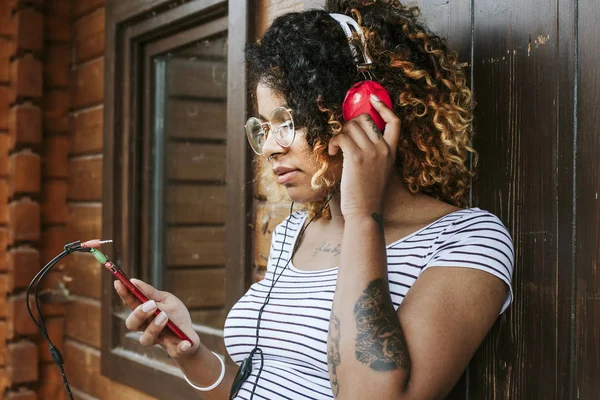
column 357, row 101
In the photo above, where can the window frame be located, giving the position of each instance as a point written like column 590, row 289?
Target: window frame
column 129, row 27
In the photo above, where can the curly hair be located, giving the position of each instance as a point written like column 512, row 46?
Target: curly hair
column 305, row 57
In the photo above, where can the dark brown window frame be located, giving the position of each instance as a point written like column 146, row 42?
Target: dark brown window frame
column 131, row 25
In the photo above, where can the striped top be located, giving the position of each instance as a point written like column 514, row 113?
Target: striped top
column 295, row 322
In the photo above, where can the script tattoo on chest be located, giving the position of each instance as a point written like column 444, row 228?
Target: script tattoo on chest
column 380, row 342
column 328, row 248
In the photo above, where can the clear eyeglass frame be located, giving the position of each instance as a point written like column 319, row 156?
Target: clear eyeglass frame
column 280, row 123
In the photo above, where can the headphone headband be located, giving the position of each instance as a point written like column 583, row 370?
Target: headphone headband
column 351, row 27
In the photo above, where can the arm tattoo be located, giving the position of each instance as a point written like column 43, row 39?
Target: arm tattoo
column 380, row 342
column 333, row 352
column 379, row 219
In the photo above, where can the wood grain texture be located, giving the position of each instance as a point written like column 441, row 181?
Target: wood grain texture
column 195, row 246
column 198, row 288
column 515, row 88
column 587, row 346
column 194, row 162
column 196, row 204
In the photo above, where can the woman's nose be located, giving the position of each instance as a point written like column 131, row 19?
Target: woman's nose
column 271, row 147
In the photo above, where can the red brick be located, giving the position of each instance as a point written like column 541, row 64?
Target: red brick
column 54, row 162
column 22, row 264
column 53, row 241
column 24, row 173
column 29, row 28
column 87, row 85
column 6, row 19
column 3, row 201
column 4, row 141
column 87, row 131
column 26, row 78
column 23, row 221
column 55, row 105
column 54, row 202
column 25, row 126
column 21, row 362
column 88, row 36
column 5, row 50
column 5, row 95
column 56, row 65
column 57, row 29
column 85, row 178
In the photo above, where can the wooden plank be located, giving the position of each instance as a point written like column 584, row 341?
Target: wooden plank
column 21, row 362
column 88, row 36
column 23, row 221
column 51, row 384
column 86, row 131
column 25, row 172
column 195, row 246
column 193, row 161
column 83, row 275
column 56, row 329
column 85, row 221
column 55, row 108
column 3, row 338
column 198, row 287
column 57, row 29
column 5, row 94
column 5, row 52
column 83, row 321
column 197, row 78
column 23, row 264
column 21, row 394
column 87, row 84
column 214, row 318
column 587, row 325
column 515, row 43
column 195, row 119
column 54, row 202
column 81, row 8
column 57, row 61
column 85, row 178
column 196, row 204
column 82, row 365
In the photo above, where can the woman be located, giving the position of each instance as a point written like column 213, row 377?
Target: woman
column 383, row 286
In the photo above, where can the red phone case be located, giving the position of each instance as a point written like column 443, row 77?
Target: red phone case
column 120, row 275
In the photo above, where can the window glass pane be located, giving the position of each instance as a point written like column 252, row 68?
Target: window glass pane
column 189, row 161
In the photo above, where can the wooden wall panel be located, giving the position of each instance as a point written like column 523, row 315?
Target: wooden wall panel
column 195, row 246
column 195, row 204
column 587, row 345
column 515, row 124
column 198, row 287
column 195, row 119
column 196, row 162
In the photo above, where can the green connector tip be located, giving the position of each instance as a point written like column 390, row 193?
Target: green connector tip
column 99, row 256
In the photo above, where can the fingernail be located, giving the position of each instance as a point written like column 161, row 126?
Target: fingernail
column 148, row 306
column 160, row 318
column 374, row 97
column 186, row 346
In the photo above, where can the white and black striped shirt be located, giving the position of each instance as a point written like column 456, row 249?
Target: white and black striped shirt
column 294, row 324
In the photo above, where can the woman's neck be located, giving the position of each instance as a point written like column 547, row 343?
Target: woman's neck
column 398, row 202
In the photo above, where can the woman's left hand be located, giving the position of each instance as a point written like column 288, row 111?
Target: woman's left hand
column 369, row 157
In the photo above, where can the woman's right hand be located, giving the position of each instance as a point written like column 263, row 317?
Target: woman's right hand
column 142, row 318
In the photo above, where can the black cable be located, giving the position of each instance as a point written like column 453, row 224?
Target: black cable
column 274, row 282
column 41, row 325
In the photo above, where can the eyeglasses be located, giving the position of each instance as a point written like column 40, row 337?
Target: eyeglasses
column 280, row 125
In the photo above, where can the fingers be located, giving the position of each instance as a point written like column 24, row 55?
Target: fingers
column 150, row 335
column 391, row 133
column 138, row 318
column 128, row 299
column 150, row 291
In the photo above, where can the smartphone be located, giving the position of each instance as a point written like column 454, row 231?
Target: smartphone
column 120, row 275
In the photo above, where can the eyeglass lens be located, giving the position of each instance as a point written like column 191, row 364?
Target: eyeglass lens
column 280, row 125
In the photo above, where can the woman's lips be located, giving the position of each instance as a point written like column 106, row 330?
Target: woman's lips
column 286, row 177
